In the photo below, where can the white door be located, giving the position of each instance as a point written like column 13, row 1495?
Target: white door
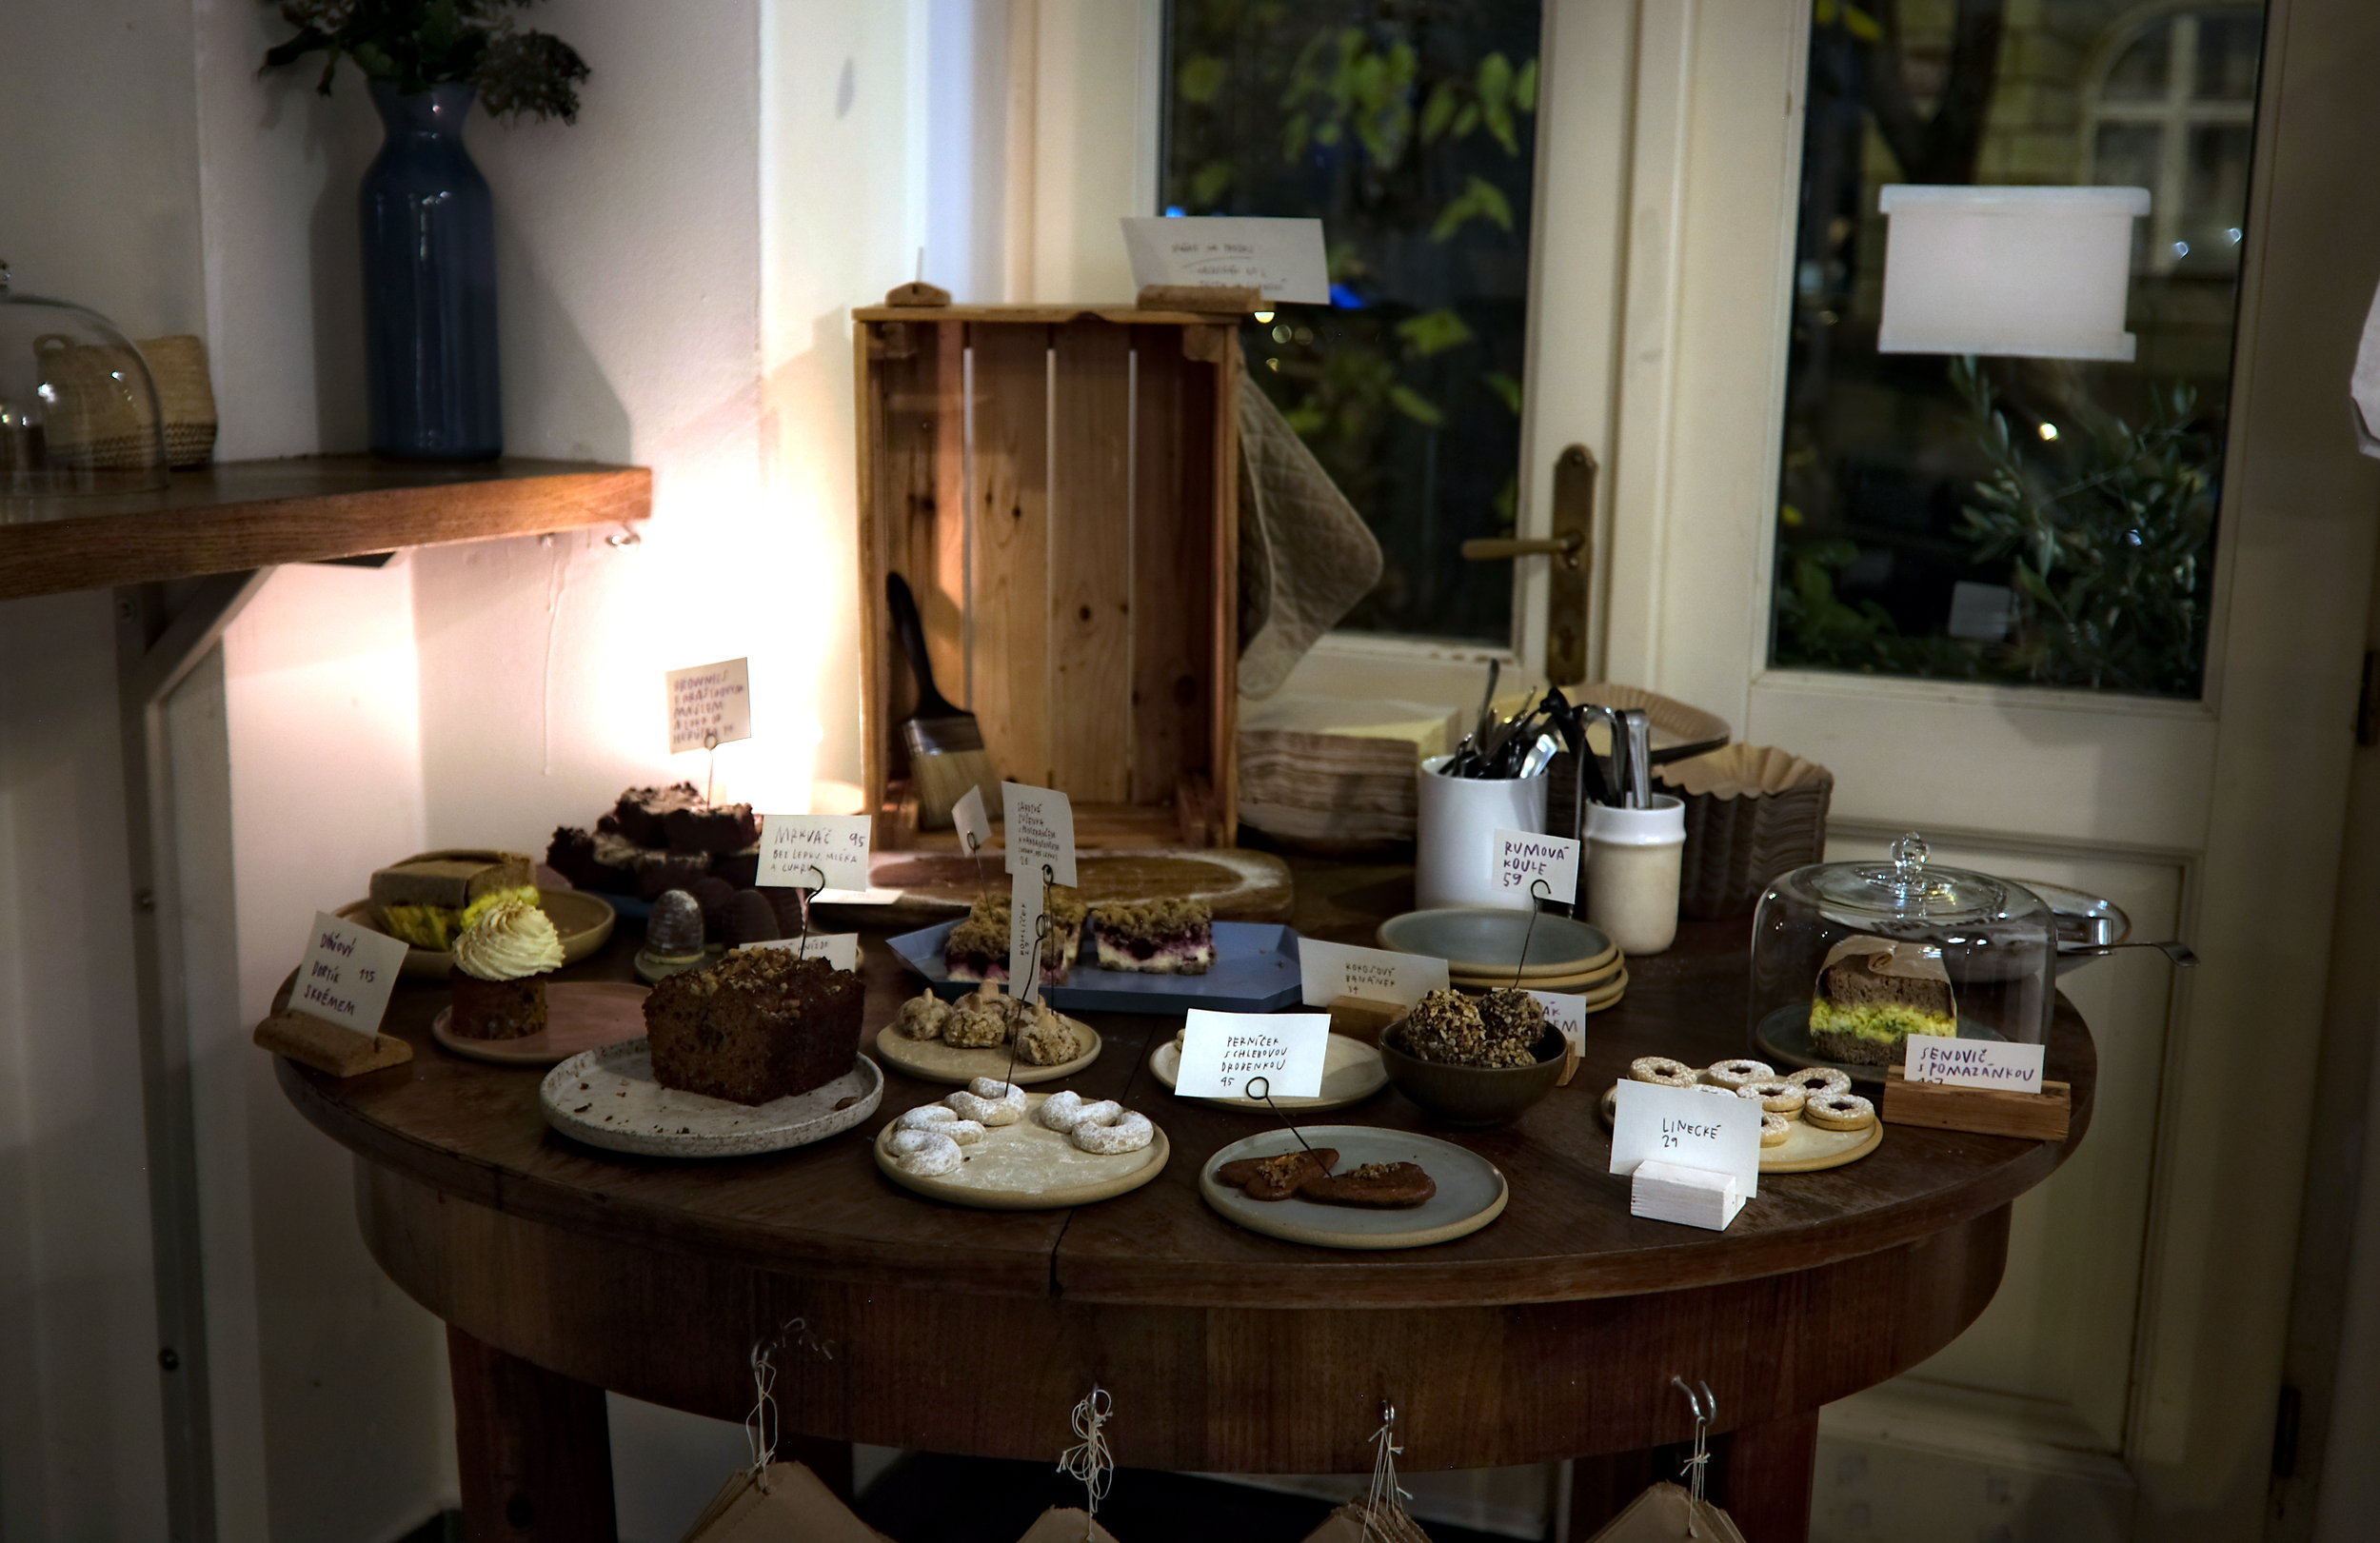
column 1094, row 82
column 2125, row 1383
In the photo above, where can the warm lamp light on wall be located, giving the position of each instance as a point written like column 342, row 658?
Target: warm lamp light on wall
column 2036, row 272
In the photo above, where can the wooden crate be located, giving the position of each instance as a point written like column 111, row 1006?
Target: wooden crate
column 1058, row 485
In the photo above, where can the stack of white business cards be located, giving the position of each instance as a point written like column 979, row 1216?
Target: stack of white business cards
column 1690, row 1196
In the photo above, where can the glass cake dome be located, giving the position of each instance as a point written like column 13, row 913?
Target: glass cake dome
column 79, row 408
column 1850, row 959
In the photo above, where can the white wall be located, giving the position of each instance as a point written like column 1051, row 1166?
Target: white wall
column 99, row 204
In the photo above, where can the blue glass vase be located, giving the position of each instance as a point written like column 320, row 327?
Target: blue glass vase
column 429, row 284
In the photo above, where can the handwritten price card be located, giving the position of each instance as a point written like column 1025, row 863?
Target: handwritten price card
column 710, row 704
column 1973, row 1063
column 840, row 949
column 347, row 974
column 1282, row 258
column 1525, row 860
column 811, row 851
column 975, row 827
column 1693, row 1130
column 1327, row 971
column 1221, row 1051
column 1040, row 831
column 1568, row 1014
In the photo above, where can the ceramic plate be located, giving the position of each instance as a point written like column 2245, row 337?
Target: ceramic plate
column 938, row 1063
column 1352, row 1072
column 1471, row 1191
column 1255, row 971
column 607, row 1098
column 1808, row 1148
column 580, row 1015
column 1601, row 990
column 1479, row 940
column 1029, row 1167
column 584, row 922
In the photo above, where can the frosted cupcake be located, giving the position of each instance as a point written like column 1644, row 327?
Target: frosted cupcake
column 501, row 962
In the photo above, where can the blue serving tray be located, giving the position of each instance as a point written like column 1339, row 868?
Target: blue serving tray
column 1255, row 971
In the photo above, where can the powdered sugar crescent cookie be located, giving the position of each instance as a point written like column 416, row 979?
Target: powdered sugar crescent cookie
column 1731, row 1075
column 926, row 1117
column 1776, row 1130
column 1839, row 1112
column 1816, row 1080
column 1061, row 1111
column 1775, row 1097
column 964, row 1132
column 989, row 1101
column 1663, row 1071
column 1128, row 1130
column 924, row 1153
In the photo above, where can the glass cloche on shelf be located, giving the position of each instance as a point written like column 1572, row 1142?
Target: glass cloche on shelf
column 79, row 408
column 1851, row 959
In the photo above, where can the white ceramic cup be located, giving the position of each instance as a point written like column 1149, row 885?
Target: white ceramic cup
column 1633, row 863
column 1454, row 861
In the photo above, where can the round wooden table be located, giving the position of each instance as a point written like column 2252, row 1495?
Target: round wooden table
column 1551, row 1334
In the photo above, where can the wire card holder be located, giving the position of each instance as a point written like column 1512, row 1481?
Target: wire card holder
column 1090, row 1462
column 770, row 1500
column 1381, row 1515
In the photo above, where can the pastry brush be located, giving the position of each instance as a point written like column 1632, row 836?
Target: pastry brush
column 947, row 754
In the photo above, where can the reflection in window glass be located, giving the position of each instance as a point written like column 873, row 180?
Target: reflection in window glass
column 2017, row 520
column 1408, row 127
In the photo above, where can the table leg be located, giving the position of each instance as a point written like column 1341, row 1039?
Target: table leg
column 1765, row 1473
column 533, row 1447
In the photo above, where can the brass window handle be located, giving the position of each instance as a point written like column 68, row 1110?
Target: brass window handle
column 1568, row 547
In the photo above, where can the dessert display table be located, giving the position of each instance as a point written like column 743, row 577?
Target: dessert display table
column 1550, row 1333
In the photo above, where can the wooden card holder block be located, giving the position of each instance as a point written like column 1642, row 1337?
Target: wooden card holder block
column 1058, row 486
column 2034, row 1117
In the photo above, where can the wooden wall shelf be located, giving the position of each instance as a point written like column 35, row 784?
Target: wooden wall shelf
column 253, row 514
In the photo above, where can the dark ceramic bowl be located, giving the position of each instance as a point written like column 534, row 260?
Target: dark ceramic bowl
column 1470, row 1094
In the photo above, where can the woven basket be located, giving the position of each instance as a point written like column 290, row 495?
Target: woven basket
column 186, row 396
column 1753, row 812
column 102, row 416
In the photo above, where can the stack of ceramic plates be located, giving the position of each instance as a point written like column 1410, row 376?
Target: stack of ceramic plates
column 1483, row 949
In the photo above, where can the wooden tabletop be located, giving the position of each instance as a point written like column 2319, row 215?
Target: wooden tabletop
column 474, row 1131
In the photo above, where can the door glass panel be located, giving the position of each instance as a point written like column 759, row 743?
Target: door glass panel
column 1409, row 128
column 2019, row 521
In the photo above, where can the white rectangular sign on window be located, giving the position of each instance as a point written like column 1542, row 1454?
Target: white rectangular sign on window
column 1282, row 259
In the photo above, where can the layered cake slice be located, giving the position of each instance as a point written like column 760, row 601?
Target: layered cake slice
column 977, row 947
column 758, row 1027
column 1170, row 936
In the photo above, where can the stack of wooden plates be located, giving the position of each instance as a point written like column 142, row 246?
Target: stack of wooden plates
column 1483, row 949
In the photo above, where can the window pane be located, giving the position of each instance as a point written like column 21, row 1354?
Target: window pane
column 2230, row 43
column 2019, row 521
column 1409, row 127
column 2141, row 70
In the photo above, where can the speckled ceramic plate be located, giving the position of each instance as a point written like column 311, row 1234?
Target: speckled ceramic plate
column 1471, row 1191
column 1029, row 1167
column 580, row 1015
column 607, row 1098
column 1352, row 1072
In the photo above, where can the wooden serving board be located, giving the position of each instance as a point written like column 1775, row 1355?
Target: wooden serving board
column 935, row 887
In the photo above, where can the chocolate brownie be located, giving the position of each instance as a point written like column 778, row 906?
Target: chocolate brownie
column 759, row 1025
column 717, row 828
column 642, row 812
